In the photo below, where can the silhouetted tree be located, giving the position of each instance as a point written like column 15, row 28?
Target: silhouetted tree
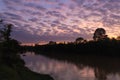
column 5, row 30
column 118, row 38
column 52, row 43
column 99, row 34
column 79, row 40
column 1, row 28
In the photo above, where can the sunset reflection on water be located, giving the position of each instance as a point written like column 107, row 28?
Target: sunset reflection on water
column 63, row 70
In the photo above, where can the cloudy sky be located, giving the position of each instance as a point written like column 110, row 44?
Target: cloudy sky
column 60, row 20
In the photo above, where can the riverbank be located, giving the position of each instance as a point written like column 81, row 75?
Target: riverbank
column 20, row 73
column 12, row 67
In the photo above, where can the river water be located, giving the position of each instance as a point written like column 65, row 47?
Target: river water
column 68, row 70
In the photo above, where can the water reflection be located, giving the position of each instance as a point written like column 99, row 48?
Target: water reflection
column 68, row 70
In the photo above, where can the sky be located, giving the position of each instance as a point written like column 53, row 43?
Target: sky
column 60, row 20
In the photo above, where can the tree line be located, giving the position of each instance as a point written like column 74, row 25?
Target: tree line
column 100, row 45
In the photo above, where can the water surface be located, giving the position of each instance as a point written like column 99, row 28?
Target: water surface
column 68, row 70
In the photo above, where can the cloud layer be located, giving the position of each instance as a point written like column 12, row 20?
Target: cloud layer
column 60, row 19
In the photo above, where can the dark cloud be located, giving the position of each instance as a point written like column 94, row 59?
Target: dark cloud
column 2, row 16
column 12, row 2
column 33, row 5
column 116, row 17
column 72, row 6
column 16, row 1
column 37, row 13
column 55, row 23
column 11, row 8
column 24, row 36
column 13, row 15
column 34, row 19
column 65, row 27
column 75, row 21
column 56, row 14
column 42, row 24
column 26, row 11
column 110, row 22
column 79, row 2
column 109, row 1
column 112, row 7
column 16, row 24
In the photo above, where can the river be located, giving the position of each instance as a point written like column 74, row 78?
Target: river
column 68, row 70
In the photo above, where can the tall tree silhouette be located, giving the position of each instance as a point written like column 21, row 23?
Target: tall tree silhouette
column 1, row 29
column 5, row 30
column 99, row 34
